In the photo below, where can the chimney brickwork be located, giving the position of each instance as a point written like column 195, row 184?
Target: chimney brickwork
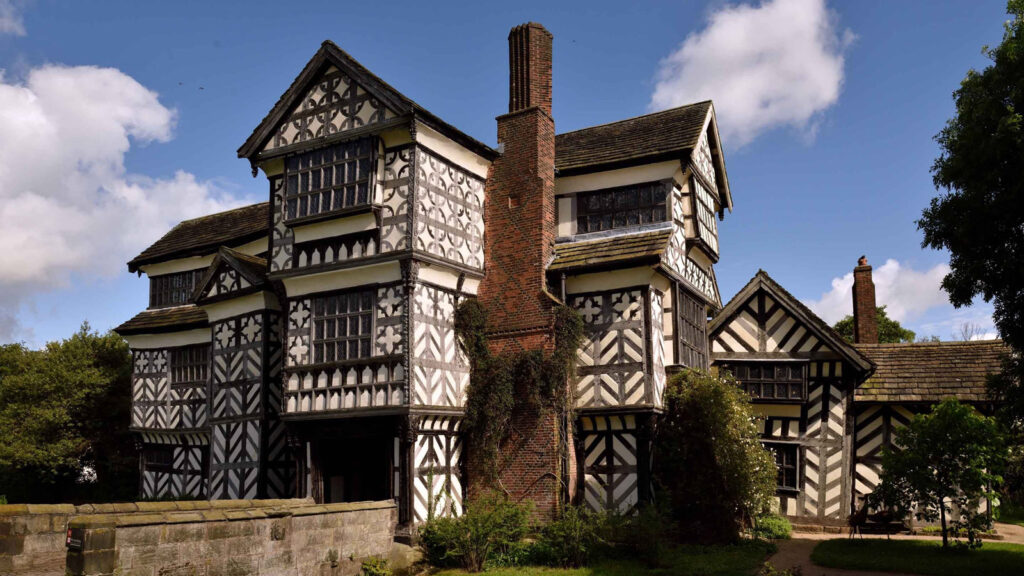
column 520, row 219
column 865, row 319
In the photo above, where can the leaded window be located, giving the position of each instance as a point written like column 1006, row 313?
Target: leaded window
column 329, row 179
column 786, row 461
column 691, row 331
column 342, row 326
column 774, row 381
column 174, row 289
column 158, row 458
column 620, row 207
column 707, row 226
column 190, row 364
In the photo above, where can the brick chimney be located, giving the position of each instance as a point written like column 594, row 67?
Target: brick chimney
column 865, row 320
column 519, row 238
column 520, row 208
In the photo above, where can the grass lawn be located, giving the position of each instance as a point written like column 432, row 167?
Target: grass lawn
column 924, row 557
column 739, row 560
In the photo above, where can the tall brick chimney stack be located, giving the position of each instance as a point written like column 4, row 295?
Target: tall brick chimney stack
column 520, row 217
column 520, row 208
column 865, row 320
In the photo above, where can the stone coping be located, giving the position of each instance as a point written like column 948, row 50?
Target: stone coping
column 222, row 512
column 177, row 512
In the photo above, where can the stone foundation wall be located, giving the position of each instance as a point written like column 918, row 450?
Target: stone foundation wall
column 236, row 537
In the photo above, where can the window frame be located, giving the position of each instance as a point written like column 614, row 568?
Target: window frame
column 303, row 199
column 163, row 296
column 163, row 467
column 369, row 336
column 778, row 448
column 191, row 362
column 683, row 325
column 610, row 206
column 747, row 381
column 704, row 213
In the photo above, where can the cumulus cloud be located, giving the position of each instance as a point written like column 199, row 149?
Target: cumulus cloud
column 10, row 19
column 68, row 206
column 906, row 293
column 779, row 63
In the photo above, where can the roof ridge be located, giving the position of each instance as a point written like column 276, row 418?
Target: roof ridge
column 637, row 117
column 986, row 341
column 222, row 212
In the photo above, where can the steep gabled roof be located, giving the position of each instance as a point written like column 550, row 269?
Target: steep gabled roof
column 762, row 281
column 667, row 135
column 930, row 371
column 330, row 53
column 163, row 320
column 616, row 249
column 252, row 269
column 204, row 235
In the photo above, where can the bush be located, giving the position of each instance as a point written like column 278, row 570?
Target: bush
column 491, row 527
column 772, row 527
column 709, row 460
column 374, row 566
column 570, row 540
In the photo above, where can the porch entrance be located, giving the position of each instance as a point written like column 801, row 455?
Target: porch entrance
column 356, row 469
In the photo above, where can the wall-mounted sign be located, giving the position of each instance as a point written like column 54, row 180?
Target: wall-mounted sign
column 75, row 538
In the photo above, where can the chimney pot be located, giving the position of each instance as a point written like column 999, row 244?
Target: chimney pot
column 865, row 318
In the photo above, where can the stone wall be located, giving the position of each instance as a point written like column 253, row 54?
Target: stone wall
column 237, row 537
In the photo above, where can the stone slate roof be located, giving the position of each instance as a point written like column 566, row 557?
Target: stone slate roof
column 652, row 137
column 929, row 372
column 160, row 320
column 205, row 234
column 611, row 250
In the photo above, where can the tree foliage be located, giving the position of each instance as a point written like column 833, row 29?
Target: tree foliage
column 708, row 458
column 64, row 415
column 889, row 330
column 947, row 460
column 979, row 215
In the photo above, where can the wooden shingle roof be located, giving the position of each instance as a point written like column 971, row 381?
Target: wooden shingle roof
column 205, row 234
column 160, row 320
column 611, row 250
column 661, row 135
column 931, row 371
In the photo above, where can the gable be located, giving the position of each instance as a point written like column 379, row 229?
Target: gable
column 765, row 321
column 231, row 274
column 332, row 104
column 762, row 325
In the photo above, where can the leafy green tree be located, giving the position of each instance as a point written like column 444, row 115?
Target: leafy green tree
column 889, row 330
column 709, row 460
column 64, row 416
column 979, row 215
column 947, row 459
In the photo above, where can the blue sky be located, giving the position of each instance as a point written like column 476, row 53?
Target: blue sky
column 842, row 170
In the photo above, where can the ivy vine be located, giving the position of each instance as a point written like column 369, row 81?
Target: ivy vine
column 502, row 385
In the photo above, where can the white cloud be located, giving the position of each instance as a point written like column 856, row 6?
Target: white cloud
column 776, row 64
column 10, row 19
column 68, row 206
column 906, row 293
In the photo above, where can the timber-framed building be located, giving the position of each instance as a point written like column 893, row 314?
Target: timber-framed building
column 305, row 346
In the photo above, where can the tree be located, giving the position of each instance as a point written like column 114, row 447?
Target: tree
column 708, row 458
column 946, row 460
column 979, row 215
column 889, row 330
column 64, row 415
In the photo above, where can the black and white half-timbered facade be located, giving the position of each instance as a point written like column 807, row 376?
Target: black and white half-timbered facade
column 305, row 346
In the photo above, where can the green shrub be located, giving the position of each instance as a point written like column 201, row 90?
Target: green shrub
column 772, row 527
column 374, row 566
column 709, row 460
column 570, row 540
column 768, row 570
column 491, row 527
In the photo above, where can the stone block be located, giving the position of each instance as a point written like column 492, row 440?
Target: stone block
column 12, row 545
column 140, row 536
column 193, row 532
column 88, row 563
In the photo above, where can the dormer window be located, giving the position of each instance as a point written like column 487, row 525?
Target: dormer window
column 621, row 207
column 329, row 180
column 174, row 289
